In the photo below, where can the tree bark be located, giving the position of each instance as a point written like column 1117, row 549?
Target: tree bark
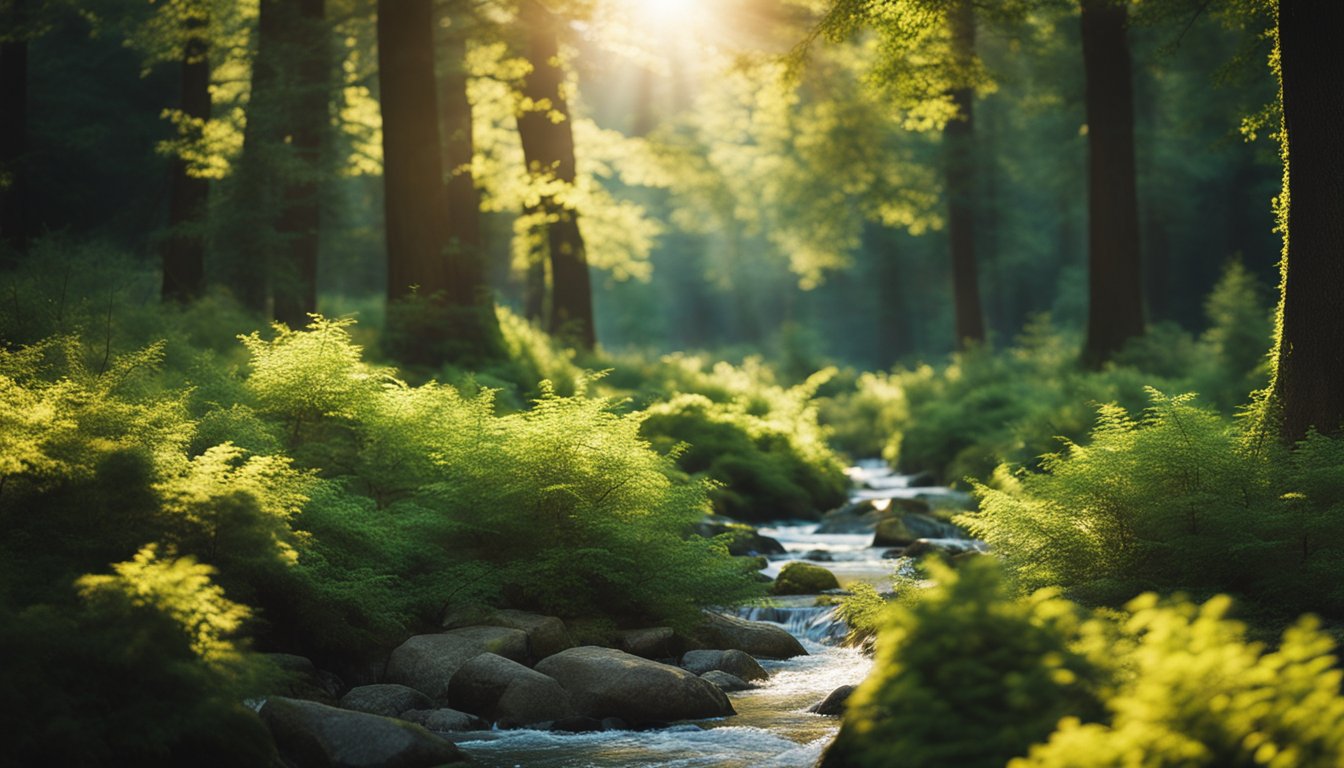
column 959, row 170
column 308, row 51
column 548, row 148
column 412, row 169
column 1115, row 293
column 184, row 251
column 14, row 129
column 1308, row 388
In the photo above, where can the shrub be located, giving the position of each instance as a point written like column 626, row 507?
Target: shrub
column 1199, row 695
column 968, row 676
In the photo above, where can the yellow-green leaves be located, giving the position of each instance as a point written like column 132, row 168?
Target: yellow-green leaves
column 179, row 587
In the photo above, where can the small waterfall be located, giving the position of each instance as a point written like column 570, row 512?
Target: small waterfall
column 820, row 624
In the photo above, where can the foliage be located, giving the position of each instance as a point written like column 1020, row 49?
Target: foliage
column 1178, row 498
column 973, row 675
column 142, row 671
column 759, row 441
column 968, row 675
column 1199, row 695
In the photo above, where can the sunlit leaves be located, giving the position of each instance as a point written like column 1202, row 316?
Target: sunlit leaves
column 179, row 587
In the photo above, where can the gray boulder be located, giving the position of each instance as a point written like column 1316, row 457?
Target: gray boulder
column 299, row 678
column 501, row 690
column 427, row 663
column 386, row 699
column 650, row 643
column 765, row 641
column 863, row 516
column 743, row 540
column 726, row 682
column 312, row 735
column 946, row 547
column 604, row 682
column 444, row 720
column 734, row 662
column 904, row 530
column 834, row 703
column 546, row 635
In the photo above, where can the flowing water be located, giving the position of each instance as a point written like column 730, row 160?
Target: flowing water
column 772, row 727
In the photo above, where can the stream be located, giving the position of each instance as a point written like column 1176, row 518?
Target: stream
column 772, row 727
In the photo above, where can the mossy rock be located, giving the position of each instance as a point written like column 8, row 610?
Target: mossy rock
column 804, row 579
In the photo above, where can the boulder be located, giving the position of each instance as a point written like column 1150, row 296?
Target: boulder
column 501, row 690
column 904, row 530
column 742, row 538
column 312, row 735
column 577, row 725
column 799, row 578
column 834, row 703
column 545, row 634
column 765, row 641
column 386, row 699
column 604, row 682
column 444, row 720
column 863, row 516
column 299, row 678
column 946, row 547
column 733, row 662
column 428, row 662
column 726, row 682
column 649, row 643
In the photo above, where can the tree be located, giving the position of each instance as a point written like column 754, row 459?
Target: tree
column 1115, row 292
column 1308, row 386
column 294, row 289
column 13, row 123
column 547, row 135
column 184, row 249
column 960, row 173
column 436, row 306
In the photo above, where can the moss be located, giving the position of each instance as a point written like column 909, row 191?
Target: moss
column 804, row 579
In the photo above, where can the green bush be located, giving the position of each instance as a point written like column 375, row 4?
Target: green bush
column 1180, row 498
column 968, row 676
column 1197, row 694
column 142, row 671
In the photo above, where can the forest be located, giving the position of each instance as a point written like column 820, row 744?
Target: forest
column 718, row 383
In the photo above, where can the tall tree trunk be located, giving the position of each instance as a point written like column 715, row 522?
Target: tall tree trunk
column 253, row 200
column 959, row 171
column 548, row 148
column 14, row 127
column 308, row 51
column 1115, row 293
column 1308, row 388
column 412, row 170
column 463, row 237
column 184, row 250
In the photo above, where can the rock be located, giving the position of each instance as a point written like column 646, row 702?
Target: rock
column 946, row 547
column 299, row 678
column 819, row 556
column 765, row 641
column 650, row 643
column 733, row 662
column 444, row 720
column 903, row 530
column 386, row 699
column 726, row 682
column 834, row 704
column 743, row 539
column 614, row 724
column 546, row 635
column 863, row 516
column 428, row 662
column 577, row 725
column 799, row 578
column 893, row 553
column 604, row 682
column 500, row 690
column 312, row 735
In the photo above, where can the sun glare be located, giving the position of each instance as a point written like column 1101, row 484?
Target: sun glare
column 666, row 12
